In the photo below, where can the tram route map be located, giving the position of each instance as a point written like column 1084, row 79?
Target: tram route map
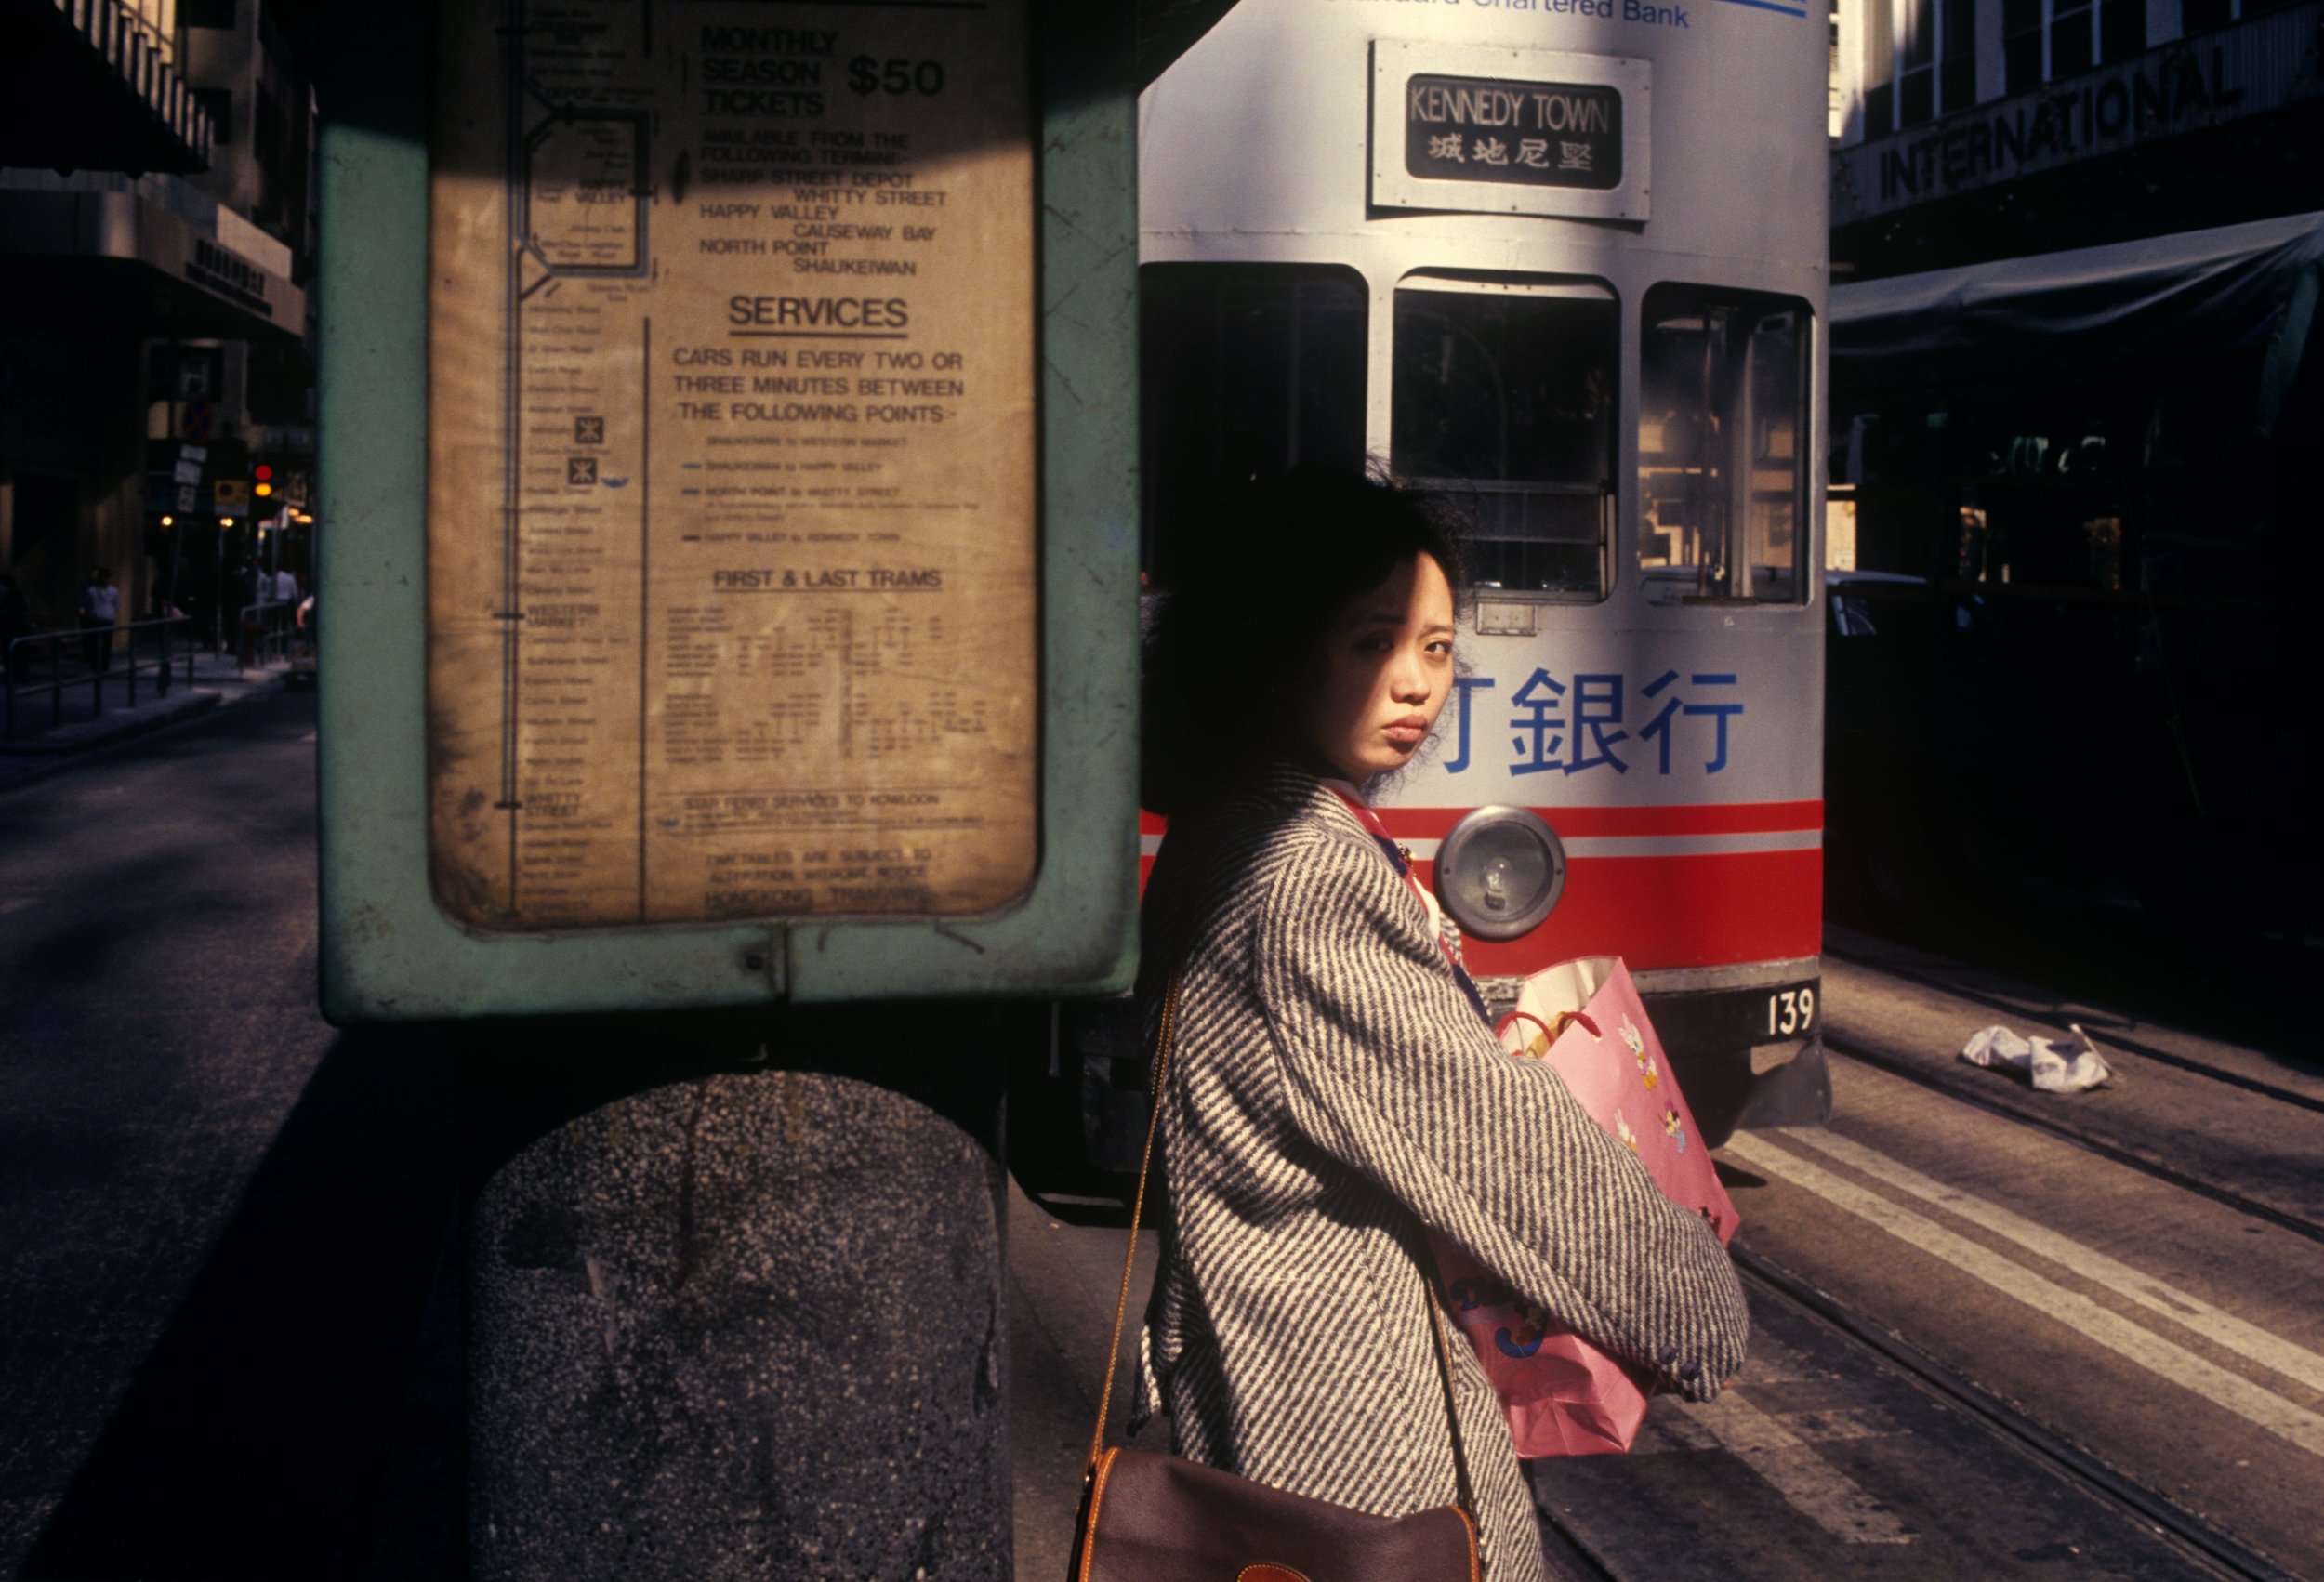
column 731, row 490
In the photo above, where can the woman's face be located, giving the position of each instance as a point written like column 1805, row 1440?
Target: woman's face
column 1388, row 669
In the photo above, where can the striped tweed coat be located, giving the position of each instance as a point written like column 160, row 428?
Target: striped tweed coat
column 1333, row 1092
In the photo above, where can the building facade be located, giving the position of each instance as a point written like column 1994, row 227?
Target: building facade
column 2078, row 396
column 156, row 334
column 1968, row 130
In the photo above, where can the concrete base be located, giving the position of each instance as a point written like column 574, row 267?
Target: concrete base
column 744, row 1325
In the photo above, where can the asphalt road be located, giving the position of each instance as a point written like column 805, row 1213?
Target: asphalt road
column 216, row 1215
column 2155, row 1300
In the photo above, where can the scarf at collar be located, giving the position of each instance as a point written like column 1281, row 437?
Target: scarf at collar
column 1362, row 811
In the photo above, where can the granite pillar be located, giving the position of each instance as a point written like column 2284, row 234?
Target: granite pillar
column 746, row 1324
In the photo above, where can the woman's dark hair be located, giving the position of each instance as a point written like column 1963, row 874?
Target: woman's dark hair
column 1232, row 653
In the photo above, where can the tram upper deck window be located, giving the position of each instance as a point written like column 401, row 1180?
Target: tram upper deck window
column 1503, row 406
column 1722, row 426
column 1244, row 370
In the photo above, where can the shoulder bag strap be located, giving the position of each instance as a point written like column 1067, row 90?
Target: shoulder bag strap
column 1165, row 1039
column 1452, row 1413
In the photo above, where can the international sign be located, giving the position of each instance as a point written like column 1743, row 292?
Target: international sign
column 2258, row 66
column 1514, row 133
column 230, row 494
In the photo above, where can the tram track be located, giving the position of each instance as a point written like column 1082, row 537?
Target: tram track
column 2109, row 1148
column 2204, row 1126
column 2114, row 1040
column 1573, row 1557
column 2060, row 1456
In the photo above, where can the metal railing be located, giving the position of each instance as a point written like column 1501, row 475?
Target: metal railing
column 95, row 650
column 266, row 631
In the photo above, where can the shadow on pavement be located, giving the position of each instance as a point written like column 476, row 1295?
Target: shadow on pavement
column 1091, row 1211
column 2204, row 971
column 250, row 1441
column 301, row 1415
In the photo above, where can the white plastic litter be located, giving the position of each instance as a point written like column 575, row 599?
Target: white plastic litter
column 2056, row 1065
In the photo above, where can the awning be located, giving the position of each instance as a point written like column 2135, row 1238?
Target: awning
column 2167, row 296
column 201, row 284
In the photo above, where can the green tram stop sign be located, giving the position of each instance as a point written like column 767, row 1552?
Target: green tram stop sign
column 730, row 528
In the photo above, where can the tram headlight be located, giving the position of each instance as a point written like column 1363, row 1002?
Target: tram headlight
column 1499, row 871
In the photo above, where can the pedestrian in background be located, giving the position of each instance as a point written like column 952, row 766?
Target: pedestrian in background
column 252, row 586
column 282, row 594
column 1335, row 1090
column 101, row 609
column 16, row 621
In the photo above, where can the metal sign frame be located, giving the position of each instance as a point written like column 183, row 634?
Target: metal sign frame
column 388, row 952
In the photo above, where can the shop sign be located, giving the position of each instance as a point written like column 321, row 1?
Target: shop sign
column 2254, row 67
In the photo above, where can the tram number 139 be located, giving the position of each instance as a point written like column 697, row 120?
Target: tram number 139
column 1790, row 1012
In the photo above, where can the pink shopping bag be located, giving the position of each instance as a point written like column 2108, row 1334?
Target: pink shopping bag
column 1563, row 1395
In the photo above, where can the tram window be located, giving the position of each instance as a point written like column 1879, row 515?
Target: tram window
column 1503, row 407
column 1723, row 426
column 1244, row 370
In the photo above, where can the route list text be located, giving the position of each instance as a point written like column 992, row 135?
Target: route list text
column 731, row 463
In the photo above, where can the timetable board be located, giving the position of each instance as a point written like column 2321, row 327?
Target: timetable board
column 731, row 496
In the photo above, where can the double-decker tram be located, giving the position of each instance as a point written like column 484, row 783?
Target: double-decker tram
column 1563, row 265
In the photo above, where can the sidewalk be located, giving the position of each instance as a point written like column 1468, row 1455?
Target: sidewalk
column 1062, row 1281
column 38, row 746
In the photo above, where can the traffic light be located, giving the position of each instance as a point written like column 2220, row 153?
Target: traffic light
column 262, row 481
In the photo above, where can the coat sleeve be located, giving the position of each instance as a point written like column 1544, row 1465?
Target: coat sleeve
column 1388, row 1069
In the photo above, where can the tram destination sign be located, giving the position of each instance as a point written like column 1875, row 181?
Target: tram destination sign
column 1484, row 129
column 731, row 498
column 1531, row 134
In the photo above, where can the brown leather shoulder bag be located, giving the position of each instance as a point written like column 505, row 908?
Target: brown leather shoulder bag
column 1147, row 1517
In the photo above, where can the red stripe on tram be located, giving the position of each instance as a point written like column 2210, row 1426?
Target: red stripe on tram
column 1690, row 818
column 1657, row 912
column 1712, row 910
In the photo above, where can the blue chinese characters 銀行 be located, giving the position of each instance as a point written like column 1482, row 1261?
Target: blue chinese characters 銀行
column 1575, row 725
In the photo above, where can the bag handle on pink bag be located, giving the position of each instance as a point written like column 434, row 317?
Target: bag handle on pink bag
column 1549, row 1035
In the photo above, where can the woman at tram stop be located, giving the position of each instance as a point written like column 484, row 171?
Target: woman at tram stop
column 1334, row 1089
